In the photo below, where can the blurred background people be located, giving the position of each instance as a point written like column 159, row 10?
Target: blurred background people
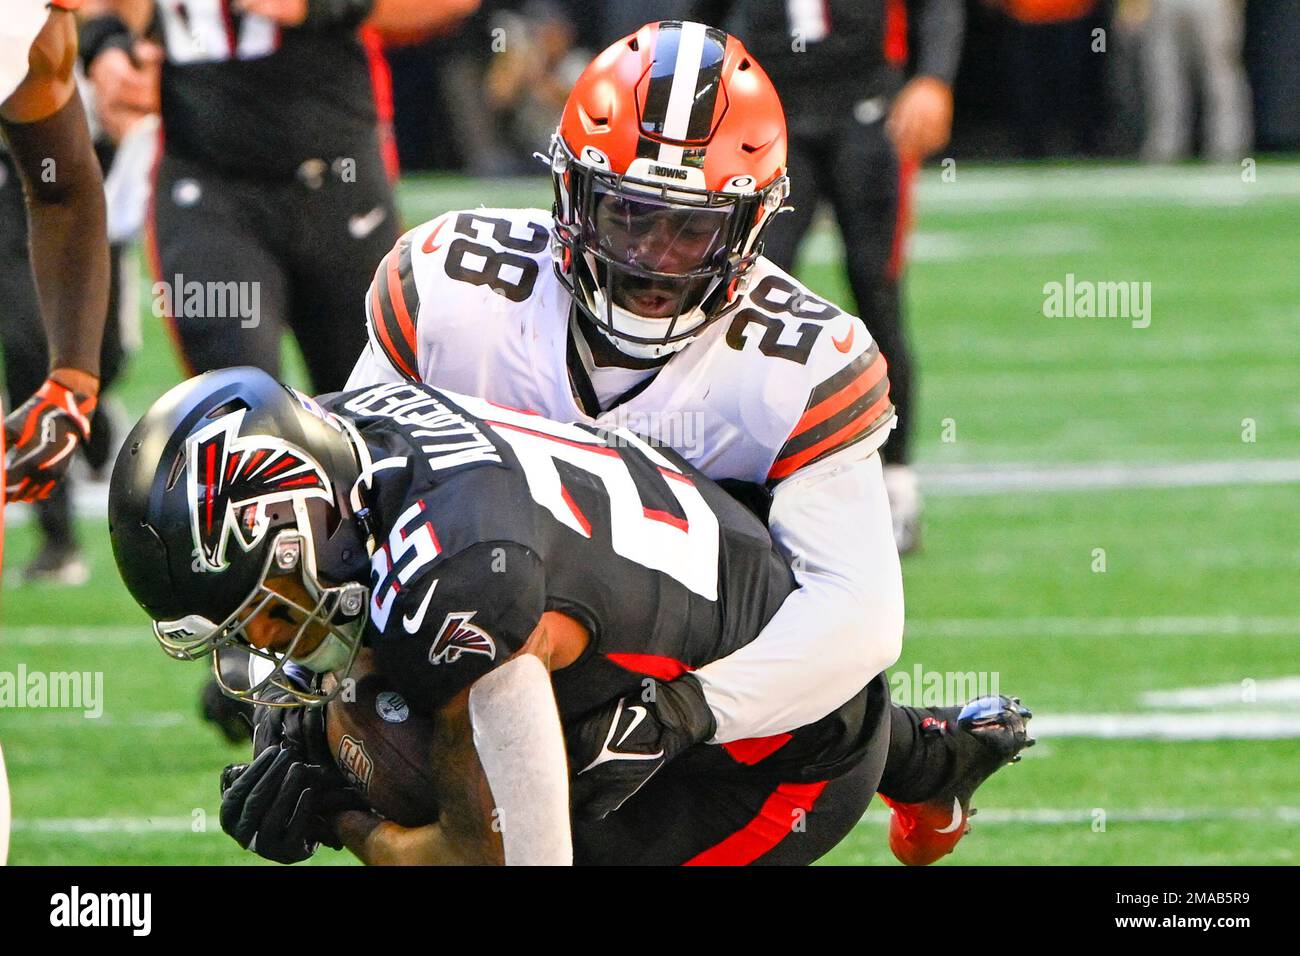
column 1052, row 62
column 1039, row 78
column 528, row 81
column 272, row 196
column 1194, row 46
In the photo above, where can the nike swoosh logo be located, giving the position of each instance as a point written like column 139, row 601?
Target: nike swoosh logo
column 638, row 716
column 847, row 342
column 412, row 624
column 361, row 226
column 956, row 817
column 429, row 246
column 607, row 754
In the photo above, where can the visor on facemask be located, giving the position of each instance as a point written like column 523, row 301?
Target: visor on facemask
column 655, row 259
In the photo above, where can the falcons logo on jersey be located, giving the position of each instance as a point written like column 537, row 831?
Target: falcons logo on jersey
column 233, row 478
column 458, row 636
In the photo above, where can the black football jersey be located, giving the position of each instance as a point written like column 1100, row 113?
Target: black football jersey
column 486, row 516
column 831, row 48
column 247, row 97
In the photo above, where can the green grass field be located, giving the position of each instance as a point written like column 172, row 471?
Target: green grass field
column 1196, row 420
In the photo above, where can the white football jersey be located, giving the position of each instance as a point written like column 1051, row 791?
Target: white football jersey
column 471, row 302
column 22, row 22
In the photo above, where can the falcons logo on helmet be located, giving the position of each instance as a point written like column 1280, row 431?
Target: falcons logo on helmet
column 458, row 636
column 233, row 478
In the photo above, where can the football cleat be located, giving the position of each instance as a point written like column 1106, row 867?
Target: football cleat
column 57, row 563
column 989, row 733
column 905, row 507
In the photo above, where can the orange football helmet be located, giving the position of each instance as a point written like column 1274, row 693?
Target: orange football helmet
column 668, row 164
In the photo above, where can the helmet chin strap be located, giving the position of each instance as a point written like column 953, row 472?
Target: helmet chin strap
column 640, row 350
column 620, row 322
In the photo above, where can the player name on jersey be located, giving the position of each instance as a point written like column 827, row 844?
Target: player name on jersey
column 448, row 438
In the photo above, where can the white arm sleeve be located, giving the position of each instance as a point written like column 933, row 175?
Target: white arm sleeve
column 844, row 624
column 521, row 747
column 371, row 369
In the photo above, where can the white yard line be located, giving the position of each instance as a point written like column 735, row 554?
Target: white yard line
column 1283, row 690
column 824, row 245
column 1228, row 625
column 91, row 501
column 1039, row 816
column 952, row 480
column 83, row 826
column 1103, row 186
column 88, row 635
column 974, row 187
column 1263, row 725
column 1045, row 816
column 45, row 718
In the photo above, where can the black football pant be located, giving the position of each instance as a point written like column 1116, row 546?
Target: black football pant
column 743, row 816
column 854, row 167
column 26, row 357
column 266, row 256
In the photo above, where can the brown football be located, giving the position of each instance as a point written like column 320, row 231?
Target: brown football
column 381, row 746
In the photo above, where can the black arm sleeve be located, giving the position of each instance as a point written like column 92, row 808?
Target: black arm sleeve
column 68, row 228
column 940, row 28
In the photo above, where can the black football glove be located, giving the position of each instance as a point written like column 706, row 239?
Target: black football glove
column 301, row 729
column 281, row 807
column 614, row 751
column 40, row 436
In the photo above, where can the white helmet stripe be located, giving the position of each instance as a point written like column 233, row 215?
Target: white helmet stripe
column 681, row 96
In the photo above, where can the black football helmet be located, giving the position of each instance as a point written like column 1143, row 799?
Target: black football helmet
column 232, row 479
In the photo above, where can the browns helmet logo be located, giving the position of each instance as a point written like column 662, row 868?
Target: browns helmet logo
column 233, row 478
column 458, row 636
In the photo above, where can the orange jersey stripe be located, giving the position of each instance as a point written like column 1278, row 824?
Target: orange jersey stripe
column 399, row 301
column 864, row 383
column 381, row 328
column 854, row 429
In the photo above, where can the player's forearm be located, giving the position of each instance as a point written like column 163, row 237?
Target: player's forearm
column 377, row 842
column 841, row 627
column 822, row 647
column 415, row 15
column 68, row 229
column 465, row 831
